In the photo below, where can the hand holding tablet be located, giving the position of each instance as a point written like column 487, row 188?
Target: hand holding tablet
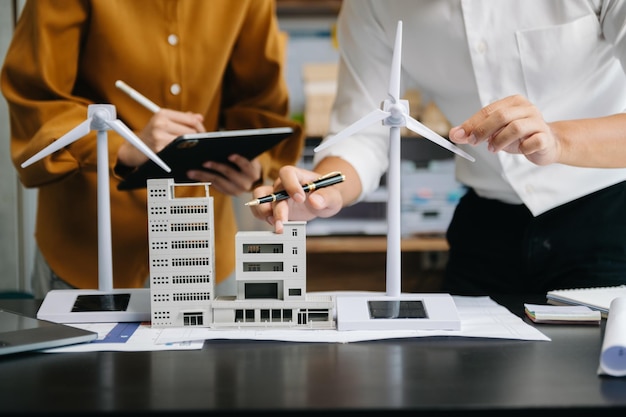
column 191, row 151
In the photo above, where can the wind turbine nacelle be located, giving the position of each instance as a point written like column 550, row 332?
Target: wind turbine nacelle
column 397, row 111
column 99, row 114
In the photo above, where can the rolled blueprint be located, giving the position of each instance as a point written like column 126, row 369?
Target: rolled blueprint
column 613, row 354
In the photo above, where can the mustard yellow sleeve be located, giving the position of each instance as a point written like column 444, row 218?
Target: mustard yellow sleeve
column 38, row 77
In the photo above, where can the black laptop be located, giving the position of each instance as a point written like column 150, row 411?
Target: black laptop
column 20, row 333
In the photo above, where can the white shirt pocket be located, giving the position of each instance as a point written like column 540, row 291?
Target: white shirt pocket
column 558, row 60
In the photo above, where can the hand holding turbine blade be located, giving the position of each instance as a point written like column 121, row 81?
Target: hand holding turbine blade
column 431, row 135
column 395, row 112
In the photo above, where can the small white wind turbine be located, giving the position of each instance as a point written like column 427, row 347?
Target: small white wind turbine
column 106, row 304
column 395, row 114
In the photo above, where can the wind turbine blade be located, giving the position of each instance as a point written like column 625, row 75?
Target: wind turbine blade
column 71, row 136
column 128, row 134
column 371, row 118
column 429, row 134
column 396, row 66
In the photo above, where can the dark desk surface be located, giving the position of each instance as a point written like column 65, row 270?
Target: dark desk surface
column 423, row 376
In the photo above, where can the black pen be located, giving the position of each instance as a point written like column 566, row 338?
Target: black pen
column 323, row 181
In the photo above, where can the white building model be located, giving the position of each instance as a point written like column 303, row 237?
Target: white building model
column 270, row 269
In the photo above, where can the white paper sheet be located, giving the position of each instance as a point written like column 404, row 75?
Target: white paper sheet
column 613, row 354
column 127, row 337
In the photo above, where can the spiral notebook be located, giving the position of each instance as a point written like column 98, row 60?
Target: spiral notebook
column 596, row 298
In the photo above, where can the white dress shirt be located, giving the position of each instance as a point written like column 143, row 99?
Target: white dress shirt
column 566, row 56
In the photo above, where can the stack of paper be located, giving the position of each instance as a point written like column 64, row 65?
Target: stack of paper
column 562, row 314
column 596, row 298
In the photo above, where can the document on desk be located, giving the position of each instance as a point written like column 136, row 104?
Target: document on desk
column 127, row 337
column 480, row 317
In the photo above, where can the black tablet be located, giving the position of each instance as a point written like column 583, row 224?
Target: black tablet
column 191, row 151
column 19, row 333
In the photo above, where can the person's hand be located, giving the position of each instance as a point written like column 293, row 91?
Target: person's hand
column 513, row 125
column 324, row 202
column 226, row 178
column 162, row 128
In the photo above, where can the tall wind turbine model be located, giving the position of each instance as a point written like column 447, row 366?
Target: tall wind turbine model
column 396, row 311
column 106, row 304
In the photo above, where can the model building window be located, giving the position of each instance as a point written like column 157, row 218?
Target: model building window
column 252, row 267
column 268, row 248
column 252, row 248
column 249, row 315
column 190, row 244
column 294, row 250
column 276, row 314
column 189, row 227
column 302, row 317
column 244, row 315
column 287, row 315
column 295, row 292
column 192, row 319
column 186, row 209
column 294, row 232
column 254, row 290
column 318, row 315
column 263, row 266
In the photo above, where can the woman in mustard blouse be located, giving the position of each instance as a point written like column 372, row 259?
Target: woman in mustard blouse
column 209, row 65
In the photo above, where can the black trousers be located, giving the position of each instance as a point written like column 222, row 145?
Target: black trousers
column 498, row 248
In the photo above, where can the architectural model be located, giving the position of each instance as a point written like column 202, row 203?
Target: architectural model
column 270, row 269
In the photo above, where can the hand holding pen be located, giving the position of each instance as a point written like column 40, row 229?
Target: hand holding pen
column 161, row 129
column 324, row 181
column 167, row 124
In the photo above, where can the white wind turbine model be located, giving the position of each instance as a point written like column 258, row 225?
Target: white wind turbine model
column 396, row 310
column 105, row 304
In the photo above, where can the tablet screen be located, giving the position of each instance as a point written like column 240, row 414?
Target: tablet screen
column 191, row 151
